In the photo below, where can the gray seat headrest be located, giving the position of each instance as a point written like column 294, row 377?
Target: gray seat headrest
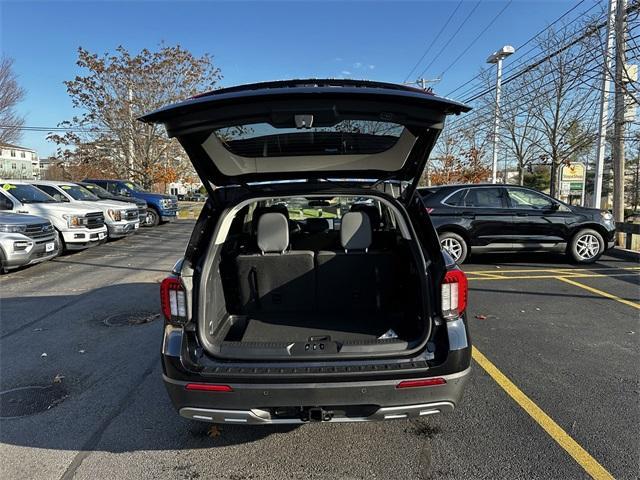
column 355, row 231
column 273, row 233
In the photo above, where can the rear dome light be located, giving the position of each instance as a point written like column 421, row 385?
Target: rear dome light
column 454, row 294
column 173, row 300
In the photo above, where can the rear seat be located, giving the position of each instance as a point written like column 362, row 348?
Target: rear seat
column 355, row 278
column 276, row 279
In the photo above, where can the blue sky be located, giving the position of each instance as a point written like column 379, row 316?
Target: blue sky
column 255, row 41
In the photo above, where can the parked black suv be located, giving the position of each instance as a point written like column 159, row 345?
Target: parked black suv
column 305, row 295
column 499, row 218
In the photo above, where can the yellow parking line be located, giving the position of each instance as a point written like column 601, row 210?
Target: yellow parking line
column 547, row 270
column 579, row 454
column 600, row 292
column 557, row 275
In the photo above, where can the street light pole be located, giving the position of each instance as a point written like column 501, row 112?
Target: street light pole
column 497, row 58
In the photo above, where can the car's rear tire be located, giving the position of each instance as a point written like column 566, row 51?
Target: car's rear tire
column 586, row 246
column 455, row 245
column 153, row 218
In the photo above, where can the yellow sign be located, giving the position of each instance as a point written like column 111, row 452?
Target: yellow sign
column 573, row 172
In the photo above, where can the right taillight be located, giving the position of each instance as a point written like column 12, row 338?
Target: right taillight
column 454, row 294
column 173, row 300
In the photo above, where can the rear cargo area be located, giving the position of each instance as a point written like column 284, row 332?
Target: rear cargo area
column 287, row 283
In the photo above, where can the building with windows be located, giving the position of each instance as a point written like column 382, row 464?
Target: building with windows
column 18, row 162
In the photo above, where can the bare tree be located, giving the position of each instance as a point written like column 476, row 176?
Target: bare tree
column 117, row 89
column 564, row 98
column 10, row 95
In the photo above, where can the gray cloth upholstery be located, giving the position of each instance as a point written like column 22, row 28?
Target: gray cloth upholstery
column 355, row 231
column 273, row 233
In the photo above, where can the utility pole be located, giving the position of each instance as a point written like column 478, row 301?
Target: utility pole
column 497, row 58
column 130, row 139
column 619, row 110
column 603, row 119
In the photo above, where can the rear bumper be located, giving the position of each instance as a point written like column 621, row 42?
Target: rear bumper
column 260, row 404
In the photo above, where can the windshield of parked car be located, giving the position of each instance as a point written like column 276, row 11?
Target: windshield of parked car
column 134, row 187
column 97, row 190
column 79, row 193
column 27, row 193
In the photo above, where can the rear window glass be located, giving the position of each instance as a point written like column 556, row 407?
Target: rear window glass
column 348, row 137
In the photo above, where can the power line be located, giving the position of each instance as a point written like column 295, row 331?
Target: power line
column 484, row 30
column 589, row 30
column 450, row 38
column 532, row 38
column 434, row 40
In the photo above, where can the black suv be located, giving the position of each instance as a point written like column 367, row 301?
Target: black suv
column 313, row 287
column 500, row 218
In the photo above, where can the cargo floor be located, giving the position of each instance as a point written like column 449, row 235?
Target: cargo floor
column 300, row 327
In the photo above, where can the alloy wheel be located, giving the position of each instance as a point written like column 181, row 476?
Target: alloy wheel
column 587, row 246
column 453, row 247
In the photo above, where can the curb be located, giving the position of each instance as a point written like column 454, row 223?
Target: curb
column 624, row 253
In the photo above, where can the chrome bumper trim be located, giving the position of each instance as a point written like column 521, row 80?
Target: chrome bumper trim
column 263, row 417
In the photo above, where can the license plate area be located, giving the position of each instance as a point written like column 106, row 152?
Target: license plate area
column 49, row 247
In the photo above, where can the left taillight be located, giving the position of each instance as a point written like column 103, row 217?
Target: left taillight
column 173, row 300
column 454, row 294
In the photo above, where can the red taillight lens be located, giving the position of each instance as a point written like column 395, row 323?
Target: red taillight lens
column 426, row 382
column 173, row 299
column 207, row 387
column 454, row 294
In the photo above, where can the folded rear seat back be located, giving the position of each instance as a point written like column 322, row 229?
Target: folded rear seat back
column 276, row 279
column 355, row 278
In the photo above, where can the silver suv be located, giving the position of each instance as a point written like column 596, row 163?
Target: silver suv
column 25, row 240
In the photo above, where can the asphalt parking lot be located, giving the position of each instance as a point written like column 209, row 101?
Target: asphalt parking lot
column 554, row 392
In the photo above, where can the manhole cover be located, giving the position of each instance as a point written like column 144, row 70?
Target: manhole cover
column 130, row 318
column 19, row 402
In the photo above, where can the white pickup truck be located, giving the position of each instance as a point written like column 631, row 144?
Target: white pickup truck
column 78, row 226
column 121, row 218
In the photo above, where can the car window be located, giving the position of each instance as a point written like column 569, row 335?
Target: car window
column 457, row 199
column 5, row 203
column 79, row 193
column 96, row 190
column 483, row 197
column 53, row 191
column 521, row 198
column 27, row 193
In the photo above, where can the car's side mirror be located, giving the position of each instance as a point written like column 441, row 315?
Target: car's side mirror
column 125, row 192
column 554, row 207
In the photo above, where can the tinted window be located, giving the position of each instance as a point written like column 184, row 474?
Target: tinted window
column 348, row 137
column 484, row 197
column 521, row 198
column 53, row 191
column 457, row 199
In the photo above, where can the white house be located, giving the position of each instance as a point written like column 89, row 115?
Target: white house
column 18, row 162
